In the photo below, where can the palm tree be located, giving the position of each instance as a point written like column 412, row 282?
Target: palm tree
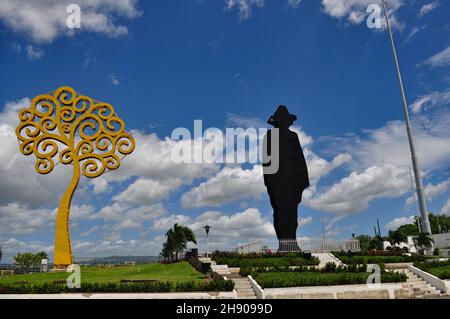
column 424, row 240
column 177, row 239
column 396, row 237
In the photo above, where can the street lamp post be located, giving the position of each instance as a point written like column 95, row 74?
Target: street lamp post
column 207, row 228
column 419, row 185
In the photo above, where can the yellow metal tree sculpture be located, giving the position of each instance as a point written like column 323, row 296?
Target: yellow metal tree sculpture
column 75, row 130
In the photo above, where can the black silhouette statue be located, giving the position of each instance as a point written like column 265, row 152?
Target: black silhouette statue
column 286, row 185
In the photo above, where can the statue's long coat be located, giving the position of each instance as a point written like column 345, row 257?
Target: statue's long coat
column 286, row 186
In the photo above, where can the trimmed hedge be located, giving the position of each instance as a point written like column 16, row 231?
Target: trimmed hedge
column 440, row 269
column 114, row 287
column 265, row 260
column 329, row 268
column 376, row 257
column 302, row 279
column 226, row 254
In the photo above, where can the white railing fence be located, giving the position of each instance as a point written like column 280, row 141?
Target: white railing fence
column 297, row 245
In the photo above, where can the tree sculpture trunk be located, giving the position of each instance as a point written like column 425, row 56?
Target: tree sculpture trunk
column 63, row 249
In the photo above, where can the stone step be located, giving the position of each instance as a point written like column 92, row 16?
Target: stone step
column 245, row 294
column 242, row 285
column 245, row 290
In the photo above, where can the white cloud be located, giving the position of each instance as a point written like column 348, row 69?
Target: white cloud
column 100, row 185
column 397, row 222
column 441, row 58
column 12, row 246
column 90, row 231
column 355, row 192
column 165, row 223
column 354, row 11
column 389, row 143
column 426, row 8
column 148, row 191
column 430, row 100
column 34, row 53
column 121, row 212
column 45, row 20
column 114, row 80
column 305, row 221
column 152, row 159
column 227, row 230
column 20, row 219
column 230, row 184
column 244, row 7
column 294, row 3
column 431, row 191
column 412, row 34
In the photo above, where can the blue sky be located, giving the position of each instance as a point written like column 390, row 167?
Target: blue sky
column 163, row 64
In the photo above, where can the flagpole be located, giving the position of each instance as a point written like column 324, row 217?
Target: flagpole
column 419, row 185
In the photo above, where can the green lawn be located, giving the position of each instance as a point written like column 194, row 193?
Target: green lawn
column 438, row 269
column 177, row 272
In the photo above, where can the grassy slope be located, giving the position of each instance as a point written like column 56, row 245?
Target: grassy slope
column 182, row 271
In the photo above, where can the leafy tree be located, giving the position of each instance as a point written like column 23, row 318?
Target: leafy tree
column 397, row 237
column 439, row 223
column 27, row 260
column 42, row 255
column 364, row 241
column 424, row 241
column 376, row 243
column 409, row 229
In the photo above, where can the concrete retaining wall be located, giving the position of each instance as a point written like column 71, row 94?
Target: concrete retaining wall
column 442, row 285
column 257, row 288
column 386, row 291
column 180, row 295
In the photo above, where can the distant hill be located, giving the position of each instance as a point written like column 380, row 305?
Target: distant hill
column 117, row 260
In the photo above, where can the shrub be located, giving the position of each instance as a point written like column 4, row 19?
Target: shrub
column 198, row 265
column 115, row 287
column 266, row 259
column 298, row 279
column 436, row 252
column 376, row 257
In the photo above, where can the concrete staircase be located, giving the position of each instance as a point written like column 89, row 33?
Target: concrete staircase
column 326, row 258
column 243, row 287
column 419, row 288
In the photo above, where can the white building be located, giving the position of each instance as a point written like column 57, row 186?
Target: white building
column 409, row 245
column 442, row 242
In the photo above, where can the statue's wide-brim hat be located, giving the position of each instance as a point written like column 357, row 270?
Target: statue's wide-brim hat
column 281, row 112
